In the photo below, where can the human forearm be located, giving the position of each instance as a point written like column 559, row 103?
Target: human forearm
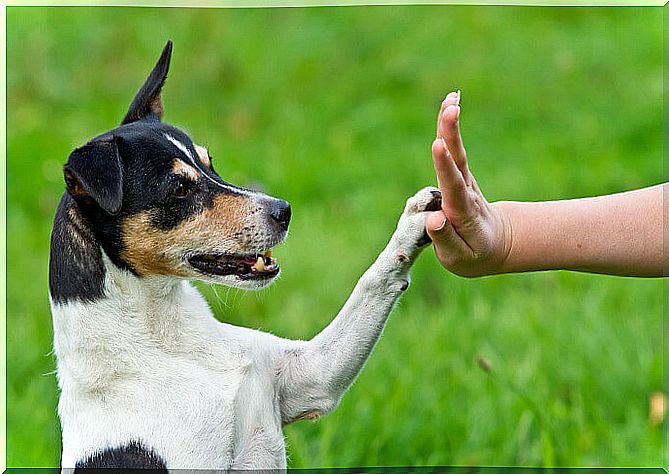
column 619, row 234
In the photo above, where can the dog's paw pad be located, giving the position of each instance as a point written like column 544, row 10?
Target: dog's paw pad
column 435, row 204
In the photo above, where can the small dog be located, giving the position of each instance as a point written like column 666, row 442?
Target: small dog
column 148, row 377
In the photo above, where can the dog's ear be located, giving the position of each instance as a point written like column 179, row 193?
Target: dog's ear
column 95, row 170
column 148, row 104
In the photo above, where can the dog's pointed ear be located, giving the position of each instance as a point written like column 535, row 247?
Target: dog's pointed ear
column 95, row 170
column 148, row 104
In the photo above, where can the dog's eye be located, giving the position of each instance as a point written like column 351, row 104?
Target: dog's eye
column 182, row 190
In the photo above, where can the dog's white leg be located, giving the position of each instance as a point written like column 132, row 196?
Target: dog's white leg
column 313, row 375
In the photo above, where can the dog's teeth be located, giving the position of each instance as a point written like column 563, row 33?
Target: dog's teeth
column 260, row 264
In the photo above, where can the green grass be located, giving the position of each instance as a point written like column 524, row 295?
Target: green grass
column 334, row 110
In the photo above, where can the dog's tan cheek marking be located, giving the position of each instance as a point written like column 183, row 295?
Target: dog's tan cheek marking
column 179, row 167
column 203, row 155
column 152, row 251
column 146, row 248
column 221, row 224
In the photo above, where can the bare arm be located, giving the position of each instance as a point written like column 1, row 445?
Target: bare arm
column 618, row 234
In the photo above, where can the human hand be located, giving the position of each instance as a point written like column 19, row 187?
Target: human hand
column 471, row 236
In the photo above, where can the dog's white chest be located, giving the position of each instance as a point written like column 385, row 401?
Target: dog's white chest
column 198, row 396
column 186, row 414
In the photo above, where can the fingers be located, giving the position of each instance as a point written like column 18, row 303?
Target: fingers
column 450, row 126
column 450, row 180
column 453, row 98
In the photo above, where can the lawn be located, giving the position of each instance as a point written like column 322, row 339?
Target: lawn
column 334, row 110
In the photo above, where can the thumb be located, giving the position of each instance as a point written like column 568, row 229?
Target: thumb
column 438, row 227
column 442, row 233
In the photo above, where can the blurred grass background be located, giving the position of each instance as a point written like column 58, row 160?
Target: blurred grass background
column 334, row 110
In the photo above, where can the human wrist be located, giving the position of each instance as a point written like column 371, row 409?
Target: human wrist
column 503, row 262
column 533, row 237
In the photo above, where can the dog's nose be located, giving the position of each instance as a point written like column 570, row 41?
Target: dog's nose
column 280, row 212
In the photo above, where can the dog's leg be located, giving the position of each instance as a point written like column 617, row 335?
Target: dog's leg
column 313, row 375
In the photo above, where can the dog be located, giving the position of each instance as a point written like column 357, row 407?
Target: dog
column 148, row 377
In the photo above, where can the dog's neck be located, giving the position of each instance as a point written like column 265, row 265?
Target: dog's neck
column 101, row 312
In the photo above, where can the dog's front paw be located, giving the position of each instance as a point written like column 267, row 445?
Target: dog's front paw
column 410, row 235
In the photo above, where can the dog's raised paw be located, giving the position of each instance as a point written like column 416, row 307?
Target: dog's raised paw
column 427, row 199
column 410, row 235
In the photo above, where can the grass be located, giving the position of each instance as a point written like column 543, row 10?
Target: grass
column 334, row 109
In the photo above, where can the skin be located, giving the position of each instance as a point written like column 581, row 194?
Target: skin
column 618, row 234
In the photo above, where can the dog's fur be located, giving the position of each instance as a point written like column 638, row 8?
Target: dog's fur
column 148, row 377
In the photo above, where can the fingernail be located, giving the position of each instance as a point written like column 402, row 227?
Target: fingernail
column 459, row 93
column 449, row 95
column 441, row 227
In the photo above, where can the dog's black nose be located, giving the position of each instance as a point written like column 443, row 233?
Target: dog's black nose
column 280, row 212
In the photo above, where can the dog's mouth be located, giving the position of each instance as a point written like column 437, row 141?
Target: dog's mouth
column 246, row 267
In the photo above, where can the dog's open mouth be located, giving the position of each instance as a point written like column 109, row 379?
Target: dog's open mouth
column 246, row 267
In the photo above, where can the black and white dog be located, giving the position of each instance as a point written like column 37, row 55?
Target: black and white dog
column 148, row 377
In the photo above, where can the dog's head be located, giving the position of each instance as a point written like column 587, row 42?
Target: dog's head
column 157, row 206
